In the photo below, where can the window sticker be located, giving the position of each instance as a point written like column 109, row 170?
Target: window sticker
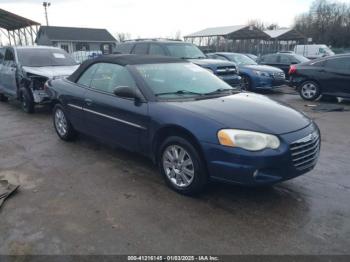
column 58, row 55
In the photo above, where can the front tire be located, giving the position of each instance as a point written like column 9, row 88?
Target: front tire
column 310, row 91
column 182, row 167
column 27, row 101
column 63, row 127
column 246, row 83
column 3, row 98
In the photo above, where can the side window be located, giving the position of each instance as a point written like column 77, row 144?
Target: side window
column 339, row 64
column 140, row 49
column 155, row 49
column 9, row 55
column 110, row 76
column 269, row 59
column 221, row 57
column 124, row 48
column 284, row 59
column 2, row 55
column 86, row 78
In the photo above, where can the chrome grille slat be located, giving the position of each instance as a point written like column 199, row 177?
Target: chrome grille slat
column 226, row 70
column 298, row 145
column 305, row 151
column 306, row 161
column 308, row 155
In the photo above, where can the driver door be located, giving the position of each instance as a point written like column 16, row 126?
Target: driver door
column 8, row 73
column 116, row 120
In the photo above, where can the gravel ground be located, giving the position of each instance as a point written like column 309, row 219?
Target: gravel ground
column 88, row 198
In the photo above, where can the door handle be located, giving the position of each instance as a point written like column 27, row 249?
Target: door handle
column 88, row 101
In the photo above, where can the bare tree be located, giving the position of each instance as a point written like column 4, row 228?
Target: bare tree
column 262, row 25
column 327, row 22
column 122, row 36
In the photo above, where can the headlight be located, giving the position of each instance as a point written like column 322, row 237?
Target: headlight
column 252, row 141
column 261, row 73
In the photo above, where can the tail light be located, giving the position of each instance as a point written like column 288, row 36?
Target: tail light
column 292, row 70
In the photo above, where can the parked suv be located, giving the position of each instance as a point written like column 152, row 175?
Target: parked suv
column 24, row 71
column 327, row 76
column 227, row 71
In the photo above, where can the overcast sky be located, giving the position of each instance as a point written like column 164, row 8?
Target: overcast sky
column 158, row 18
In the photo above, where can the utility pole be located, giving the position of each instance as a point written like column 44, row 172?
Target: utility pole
column 46, row 5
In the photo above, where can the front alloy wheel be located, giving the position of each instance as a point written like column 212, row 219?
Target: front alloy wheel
column 178, row 166
column 182, row 166
column 310, row 91
column 63, row 127
column 61, row 123
column 246, row 83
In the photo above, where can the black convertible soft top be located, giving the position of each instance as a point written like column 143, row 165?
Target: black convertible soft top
column 123, row 60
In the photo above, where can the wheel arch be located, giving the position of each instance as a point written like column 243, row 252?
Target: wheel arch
column 310, row 80
column 173, row 130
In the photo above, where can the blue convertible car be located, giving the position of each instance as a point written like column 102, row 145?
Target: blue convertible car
column 254, row 76
column 188, row 121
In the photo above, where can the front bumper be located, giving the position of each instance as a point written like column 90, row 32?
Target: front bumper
column 232, row 80
column 40, row 96
column 268, row 83
column 235, row 165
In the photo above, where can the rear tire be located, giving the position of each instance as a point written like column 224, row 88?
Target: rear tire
column 63, row 127
column 309, row 91
column 27, row 101
column 181, row 166
column 3, row 98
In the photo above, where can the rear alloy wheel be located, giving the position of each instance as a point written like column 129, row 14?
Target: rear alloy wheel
column 246, row 83
column 310, row 91
column 181, row 166
column 27, row 102
column 63, row 127
column 3, row 98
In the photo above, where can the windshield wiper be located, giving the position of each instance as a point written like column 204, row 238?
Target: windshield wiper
column 219, row 91
column 179, row 92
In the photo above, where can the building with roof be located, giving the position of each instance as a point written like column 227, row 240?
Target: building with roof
column 284, row 39
column 17, row 30
column 73, row 39
column 238, row 38
column 246, row 39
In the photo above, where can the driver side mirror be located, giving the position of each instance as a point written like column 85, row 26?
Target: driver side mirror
column 294, row 63
column 127, row 92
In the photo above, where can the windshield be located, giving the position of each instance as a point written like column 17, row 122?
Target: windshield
column 176, row 80
column 241, row 59
column 44, row 57
column 181, row 50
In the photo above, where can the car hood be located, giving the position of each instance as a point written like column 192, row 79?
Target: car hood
column 249, row 111
column 211, row 62
column 264, row 68
column 51, row 71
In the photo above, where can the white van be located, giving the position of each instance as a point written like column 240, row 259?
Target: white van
column 313, row 51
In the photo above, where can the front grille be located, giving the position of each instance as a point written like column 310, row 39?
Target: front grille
column 226, row 70
column 305, row 151
column 279, row 75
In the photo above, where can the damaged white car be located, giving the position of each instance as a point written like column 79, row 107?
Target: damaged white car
column 25, row 70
